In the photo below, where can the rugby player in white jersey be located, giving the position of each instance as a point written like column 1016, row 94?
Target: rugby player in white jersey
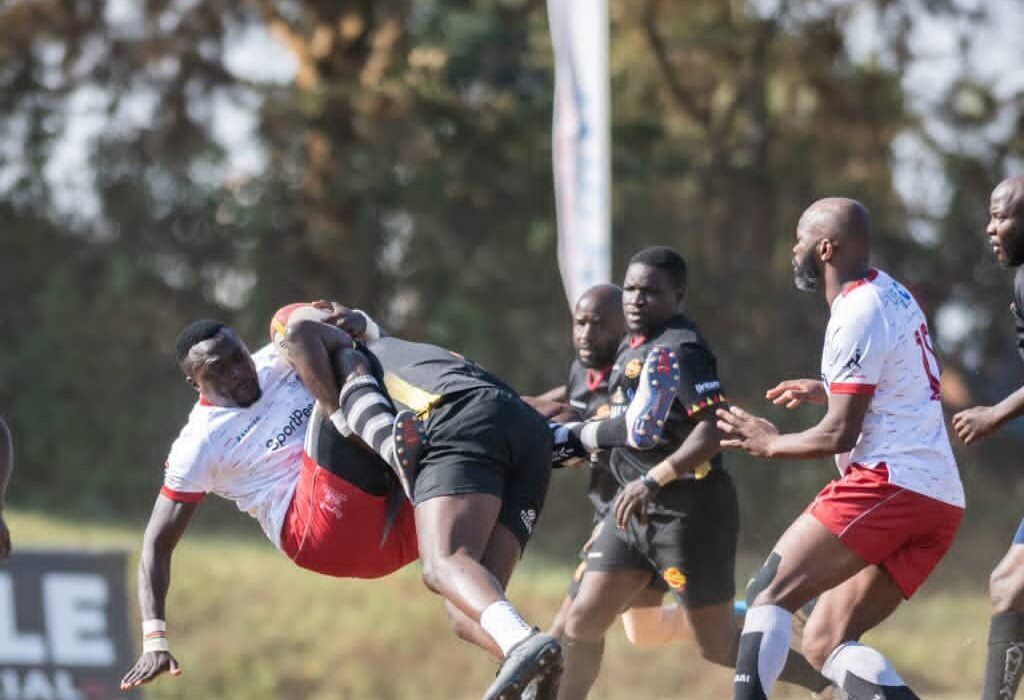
column 871, row 537
column 257, row 437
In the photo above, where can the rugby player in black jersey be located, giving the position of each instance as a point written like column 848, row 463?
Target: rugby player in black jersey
column 676, row 515
column 1005, row 663
column 598, row 327
column 481, row 482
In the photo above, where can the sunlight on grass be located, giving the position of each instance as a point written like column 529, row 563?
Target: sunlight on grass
column 245, row 623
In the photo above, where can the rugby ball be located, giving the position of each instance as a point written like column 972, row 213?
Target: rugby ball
column 287, row 315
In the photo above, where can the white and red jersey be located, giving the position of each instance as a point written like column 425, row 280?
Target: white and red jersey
column 252, row 456
column 877, row 343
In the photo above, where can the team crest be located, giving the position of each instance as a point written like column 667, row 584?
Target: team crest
column 675, row 578
column 633, row 368
column 702, row 471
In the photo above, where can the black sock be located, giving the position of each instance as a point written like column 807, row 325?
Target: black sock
column 582, row 664
column 747, row 681
column 1005, row 662
column 369, row 415
column 798, row 671
column 859, row 689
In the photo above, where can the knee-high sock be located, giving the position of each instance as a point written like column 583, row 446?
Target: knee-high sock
column 582, row 665
column 865, row 674
column 603, row 434
column 1005, row 663
column 368, row 414
column 764, row 646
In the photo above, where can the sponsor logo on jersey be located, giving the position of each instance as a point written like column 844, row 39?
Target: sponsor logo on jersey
column 707, row 386
column 603, row 411
column 853, row 363
column 296, row 420
column 675, row 578
column 633, row 368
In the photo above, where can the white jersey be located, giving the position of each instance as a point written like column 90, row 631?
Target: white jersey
column 877, row 343
column 252, row 456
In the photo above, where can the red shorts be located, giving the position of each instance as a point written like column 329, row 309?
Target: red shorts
column 904, row 532
column 334, row 528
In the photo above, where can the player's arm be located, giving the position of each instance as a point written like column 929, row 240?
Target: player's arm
column 837, row 432
column 979, row 422
column 6, row 467
column 167, row 524
column 699, row 447
column 558, row 394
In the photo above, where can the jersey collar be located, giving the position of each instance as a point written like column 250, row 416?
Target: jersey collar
column 595, row 377
column 869, row 277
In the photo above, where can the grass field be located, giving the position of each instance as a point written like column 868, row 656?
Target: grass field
column 246, row 624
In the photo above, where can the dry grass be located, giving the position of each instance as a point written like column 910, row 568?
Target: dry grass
column 245, row 623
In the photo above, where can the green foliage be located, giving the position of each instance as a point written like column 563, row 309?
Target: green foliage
column 405, row 168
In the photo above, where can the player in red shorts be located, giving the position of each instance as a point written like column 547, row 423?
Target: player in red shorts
column 871, row 537
column 258, row 437
column 1004, row 665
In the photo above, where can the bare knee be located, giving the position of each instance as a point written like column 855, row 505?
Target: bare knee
column 585, row 621
column 816, row 646
column 432, row 576
column 719, row 651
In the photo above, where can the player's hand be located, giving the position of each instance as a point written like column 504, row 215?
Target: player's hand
column 632, row 500
column 973, row 424
column 149, row 666
column 5, row 539
column 348, row 320
column 745, row 431
column 793, row 392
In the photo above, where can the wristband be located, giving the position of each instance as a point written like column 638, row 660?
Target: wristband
column 154, row 636
column 651, row 483
column 662, row 473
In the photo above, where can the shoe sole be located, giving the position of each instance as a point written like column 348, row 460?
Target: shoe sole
column 408, row 448
column 549, row 661
column 658, row 389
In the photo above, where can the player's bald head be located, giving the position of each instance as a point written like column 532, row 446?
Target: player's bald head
column 1010, row 193
column 841, row 219
column 601, row 298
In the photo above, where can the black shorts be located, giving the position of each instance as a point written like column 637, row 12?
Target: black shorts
column 657, row 583
column 693, row 552
column 488, row 441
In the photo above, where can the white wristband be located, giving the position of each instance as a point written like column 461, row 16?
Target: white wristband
column 154, row 636
column 372, row 331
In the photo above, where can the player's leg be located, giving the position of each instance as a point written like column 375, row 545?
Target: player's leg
column 806, row 561
column 649, row 624
column 601, row 596
column 471, row 526
column 840, row 617
column 1004, row 664
column 645, row 417
column 557, row 629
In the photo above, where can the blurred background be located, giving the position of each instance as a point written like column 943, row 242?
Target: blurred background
column 172, row 159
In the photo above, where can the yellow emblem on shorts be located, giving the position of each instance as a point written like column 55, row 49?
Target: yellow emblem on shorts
column 633, row 368
column 675, row 578
column 603, row 411
column 702, row 471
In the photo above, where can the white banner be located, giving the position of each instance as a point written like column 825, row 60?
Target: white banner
column 581, row 142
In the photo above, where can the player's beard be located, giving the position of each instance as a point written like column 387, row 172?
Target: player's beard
column 805, row 273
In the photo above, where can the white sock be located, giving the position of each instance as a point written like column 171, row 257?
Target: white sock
column 588, row 436
column 505, row 625
column 338, row 419
column 864, row 662
column 775, row 626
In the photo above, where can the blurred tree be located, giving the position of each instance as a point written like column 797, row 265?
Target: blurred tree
column 398, row 158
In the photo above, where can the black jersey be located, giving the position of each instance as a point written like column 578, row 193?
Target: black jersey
column 699, row 390
column 588, row 393
column 420, row 377
column 1018, row 308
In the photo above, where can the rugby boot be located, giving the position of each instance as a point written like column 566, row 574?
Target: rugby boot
column 539, row 655
column 407, row 448
column 657, row 389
